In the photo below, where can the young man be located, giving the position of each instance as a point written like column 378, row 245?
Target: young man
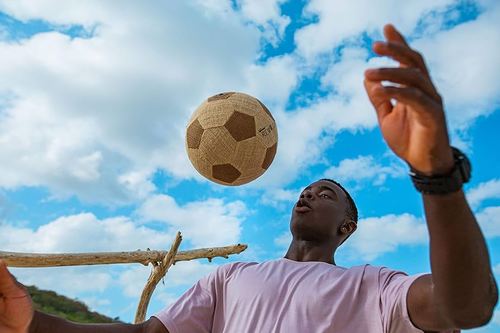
column 305, row 291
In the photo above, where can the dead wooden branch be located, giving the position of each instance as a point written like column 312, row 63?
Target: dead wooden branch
column 17, row 259
column 161, row 261
column 157, row 273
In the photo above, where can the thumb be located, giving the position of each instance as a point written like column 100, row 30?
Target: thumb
column 9, row 287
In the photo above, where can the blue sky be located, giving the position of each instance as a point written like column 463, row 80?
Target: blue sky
column 95, row 97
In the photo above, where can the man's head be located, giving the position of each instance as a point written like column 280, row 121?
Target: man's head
column 325, row 212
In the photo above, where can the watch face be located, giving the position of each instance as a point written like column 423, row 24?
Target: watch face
column 465, row 169
column 463, row 164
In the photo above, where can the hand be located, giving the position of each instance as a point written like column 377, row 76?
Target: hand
column 415, row 126
column 16, row 308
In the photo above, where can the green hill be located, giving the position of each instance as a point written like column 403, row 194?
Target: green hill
column 50, row 302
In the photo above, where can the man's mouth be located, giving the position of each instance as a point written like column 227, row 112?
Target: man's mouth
column 302, row 209
column 302, row 206
column 303, row 202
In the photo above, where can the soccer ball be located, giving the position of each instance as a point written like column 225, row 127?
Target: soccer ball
column 231, row 138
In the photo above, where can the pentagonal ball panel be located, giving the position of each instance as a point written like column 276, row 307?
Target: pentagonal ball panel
column 241, row 126
column 225, row 173
column 193, row 134
column 270, row 153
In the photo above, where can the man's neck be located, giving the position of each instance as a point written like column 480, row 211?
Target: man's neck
column 301, row 250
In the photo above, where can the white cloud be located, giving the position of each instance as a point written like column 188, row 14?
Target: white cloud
column 489, row 221
column 283, row 240
column 274, row 80
column 133, row 280
column 89, row 112
column 300, row 145
column 306, row 132
column 204, row 223
column 267, row 15
column 376, row 236
column 215, row 7
column 72, row 234
column 280, row 198
column 496, row 317
column 484, row 191
column 468, row 82
column 335, row 22
column 363, row 168
column 183, row 273
column 97, row 304
column 70, row 281
column 70, row 12
column 99, row 123
column 4, row 34
column 496, row 269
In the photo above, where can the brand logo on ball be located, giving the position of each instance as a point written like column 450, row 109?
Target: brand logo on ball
column 265, row 131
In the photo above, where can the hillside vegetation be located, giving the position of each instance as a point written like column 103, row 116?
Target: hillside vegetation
column 74, row 310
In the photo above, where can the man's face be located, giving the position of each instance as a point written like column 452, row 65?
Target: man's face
column 319, row 212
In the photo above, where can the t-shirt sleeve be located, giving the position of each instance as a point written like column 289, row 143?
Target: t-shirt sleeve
column 194, row 310
column 393, row 287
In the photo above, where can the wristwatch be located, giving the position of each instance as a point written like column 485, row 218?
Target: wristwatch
column 444, row 184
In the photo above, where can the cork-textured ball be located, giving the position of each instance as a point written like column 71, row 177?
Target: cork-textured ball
column 231, row 138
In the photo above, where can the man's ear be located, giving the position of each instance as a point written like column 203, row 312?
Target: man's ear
column 348, row 227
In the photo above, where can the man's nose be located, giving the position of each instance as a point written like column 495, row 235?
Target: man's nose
column 307, row 194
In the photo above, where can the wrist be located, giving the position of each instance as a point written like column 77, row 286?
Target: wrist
column 445, row 179
column 436, row 165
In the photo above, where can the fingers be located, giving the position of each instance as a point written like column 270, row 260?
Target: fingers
column 380, row 100
column 403, row 54
column 392, row 34
column 411, row 96
column 410, row 77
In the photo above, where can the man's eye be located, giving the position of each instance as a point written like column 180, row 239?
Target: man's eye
column 324, row 195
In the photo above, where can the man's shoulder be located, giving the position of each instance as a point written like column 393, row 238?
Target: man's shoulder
column 373, row 273
column 231, row 267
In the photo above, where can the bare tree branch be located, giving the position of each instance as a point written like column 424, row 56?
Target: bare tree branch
column 17, row 259
column 157, row 273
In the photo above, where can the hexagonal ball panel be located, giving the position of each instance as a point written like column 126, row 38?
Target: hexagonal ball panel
column 193, row 134
column 241, row 126
column 225, row 172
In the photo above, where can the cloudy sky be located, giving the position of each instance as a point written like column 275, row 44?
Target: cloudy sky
column 95, row 97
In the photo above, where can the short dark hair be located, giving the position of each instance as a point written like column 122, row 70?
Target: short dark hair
column 352, row 210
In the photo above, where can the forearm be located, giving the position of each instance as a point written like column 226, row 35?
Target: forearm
column 459, row 258
column 44, row 323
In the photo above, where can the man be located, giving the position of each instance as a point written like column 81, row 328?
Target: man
column 305, row 291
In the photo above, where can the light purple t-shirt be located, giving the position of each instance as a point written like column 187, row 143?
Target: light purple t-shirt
column 289, row 296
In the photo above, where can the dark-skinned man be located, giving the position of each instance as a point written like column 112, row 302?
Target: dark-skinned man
column 305, row 291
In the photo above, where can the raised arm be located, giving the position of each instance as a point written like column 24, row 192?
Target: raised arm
column 461, row 291
column 17, row 315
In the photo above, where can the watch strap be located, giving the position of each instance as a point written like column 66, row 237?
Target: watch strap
column 444, row 184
